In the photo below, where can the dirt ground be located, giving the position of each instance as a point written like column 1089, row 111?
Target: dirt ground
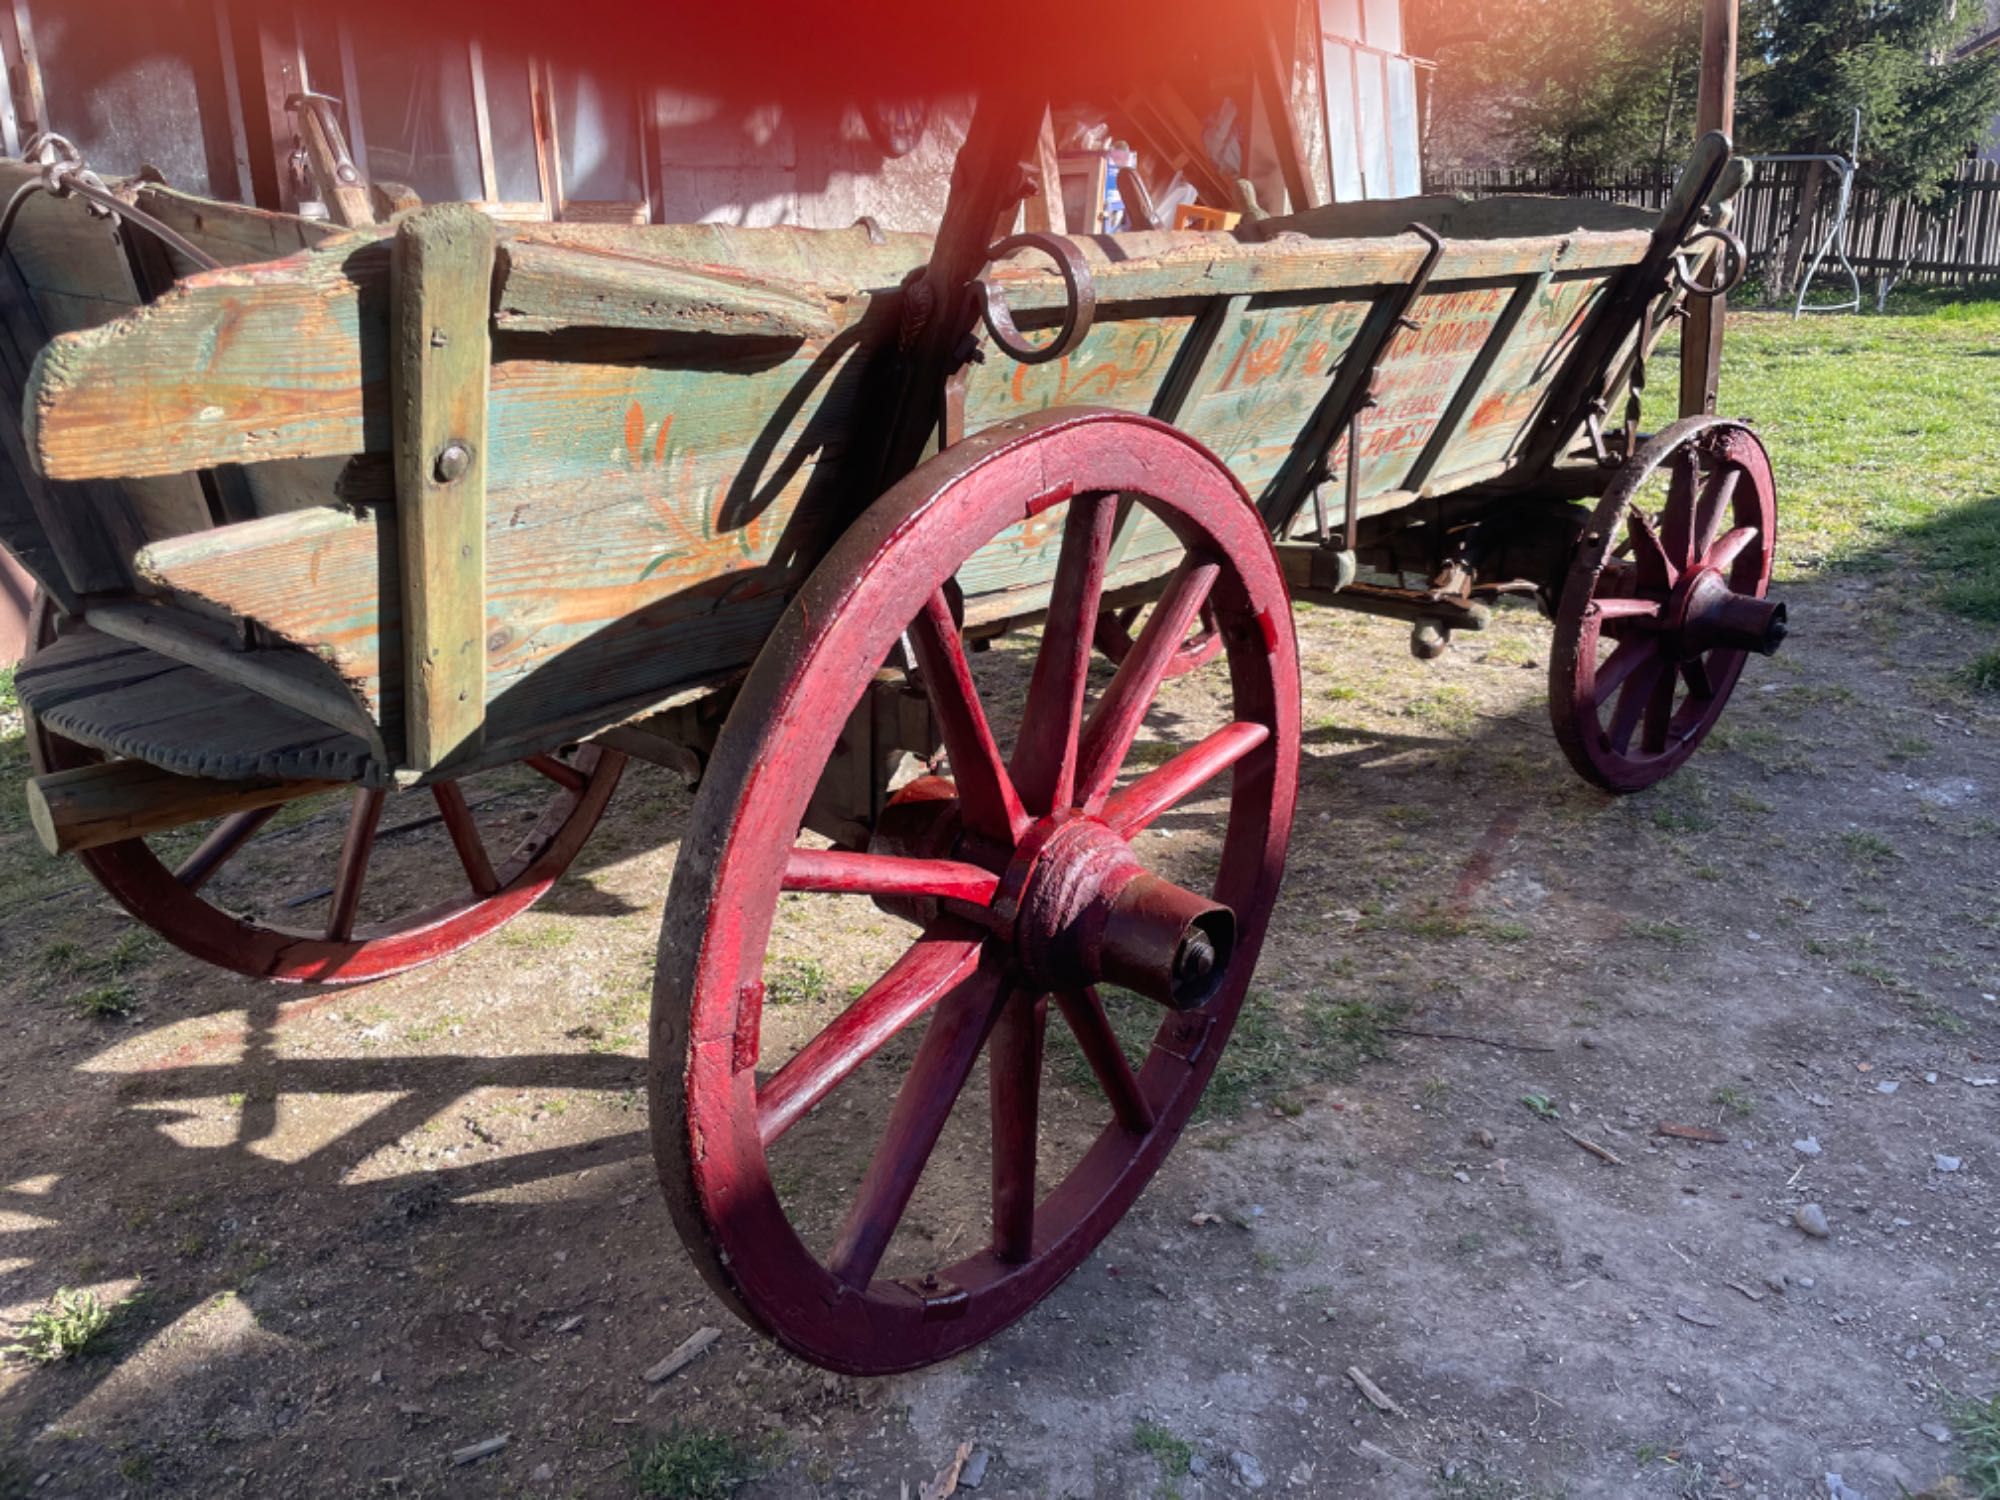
column 363, row 1230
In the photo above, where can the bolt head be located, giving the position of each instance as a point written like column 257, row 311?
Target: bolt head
column 452, row 462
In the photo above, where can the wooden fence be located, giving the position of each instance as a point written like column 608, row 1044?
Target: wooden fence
column 1954, row 241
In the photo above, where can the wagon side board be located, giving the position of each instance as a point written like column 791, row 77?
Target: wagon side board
column 647, row 486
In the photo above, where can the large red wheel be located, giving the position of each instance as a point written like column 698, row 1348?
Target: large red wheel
column 1664, row 601
column 1027, row 880
column 356, row 938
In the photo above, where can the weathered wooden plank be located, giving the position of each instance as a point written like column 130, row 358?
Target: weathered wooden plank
column 440, row 350
column 548, row 288
column 286, row 359
column 233, row 233
column 91, row 806
column 314, row 577
column 61, row 246
column 283, row 361
column 127, row 700
column 1478, row 380
column 286, row 675
column 88, row 529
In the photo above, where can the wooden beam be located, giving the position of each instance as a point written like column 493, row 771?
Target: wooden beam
column 1701, row 348
column 546, row 288
column 482, row 123
column 92, row 806
column 440, row 352
column 1274, row 82
column 24, row 68
column 340, row 184
column 1043, row 213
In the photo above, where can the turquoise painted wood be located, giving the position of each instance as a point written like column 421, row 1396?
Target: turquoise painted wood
column 655, row 494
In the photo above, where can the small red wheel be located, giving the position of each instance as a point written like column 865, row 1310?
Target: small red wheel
column 1113, row 636
column 1027, row 879
column 178, row 901
column 1662, row 606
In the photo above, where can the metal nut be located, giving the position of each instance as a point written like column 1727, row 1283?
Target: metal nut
column 452, row 462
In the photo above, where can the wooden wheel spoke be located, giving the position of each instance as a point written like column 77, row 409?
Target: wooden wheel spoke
column 1044, row 763
column 1633, row 698
column 1115, row 723
column 465, row 837
column 1694, row 671
column 1014, row 1062
column 561, row 772
column 1718, row 499
column 1084, row 1012
column 1656, row 570
column 355, row 850
column 991, row 807
column 1722, row 556
column 943, row 960
column 951, row 1045
column 1620, row 665
column 1659, row 715
column 221, row 845
column 1627, row 609
column 840, row 872
column 1677, row 521
column 1161, row 788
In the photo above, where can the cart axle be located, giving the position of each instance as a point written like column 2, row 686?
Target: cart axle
column 1088, row 912
column 1707, row 614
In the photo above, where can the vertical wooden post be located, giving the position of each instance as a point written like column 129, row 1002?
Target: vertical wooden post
column 1044, row 212
column 440, row 350
column 1701, row 338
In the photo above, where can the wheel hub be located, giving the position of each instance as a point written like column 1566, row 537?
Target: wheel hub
column 1084, row 910
column 1705, row 614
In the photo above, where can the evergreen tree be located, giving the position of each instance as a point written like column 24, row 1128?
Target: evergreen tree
column 1810, row 63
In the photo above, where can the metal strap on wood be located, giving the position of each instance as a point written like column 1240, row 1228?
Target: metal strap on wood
column 440, row 353
column 1570, row 401
column 1351, row 394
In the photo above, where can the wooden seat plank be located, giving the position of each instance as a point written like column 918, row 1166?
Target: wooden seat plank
column 126, row 700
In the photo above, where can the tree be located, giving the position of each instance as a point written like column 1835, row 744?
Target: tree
column 1607, row 86
column 1576, row 87
column 1811, row 63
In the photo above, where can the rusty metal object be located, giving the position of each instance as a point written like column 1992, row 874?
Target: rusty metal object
column 1366, row 395
column 1079, row 308
column 1580, row 392
column 1735, row 264
column 1678, row 596
column 1018, row 872
column 65, row 174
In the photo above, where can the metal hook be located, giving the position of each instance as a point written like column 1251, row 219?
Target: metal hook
column 1735, row 261
column 1080, row 309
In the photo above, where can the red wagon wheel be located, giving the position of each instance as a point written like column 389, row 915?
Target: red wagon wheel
column 1020, row 875
column 1662, row 607
column 175, row 900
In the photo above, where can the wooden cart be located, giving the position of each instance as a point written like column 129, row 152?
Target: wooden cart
column 387, row 507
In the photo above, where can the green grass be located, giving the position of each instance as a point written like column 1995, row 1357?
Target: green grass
column 688, row 1463
column 1174, row 1455
column 1734, row 1100
column 1978, row 1426
column 1881, row 428
column 1982, row 673
column 104, row 1001
column 69, row 1324
column 795, row 981
column 1281, row 1044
